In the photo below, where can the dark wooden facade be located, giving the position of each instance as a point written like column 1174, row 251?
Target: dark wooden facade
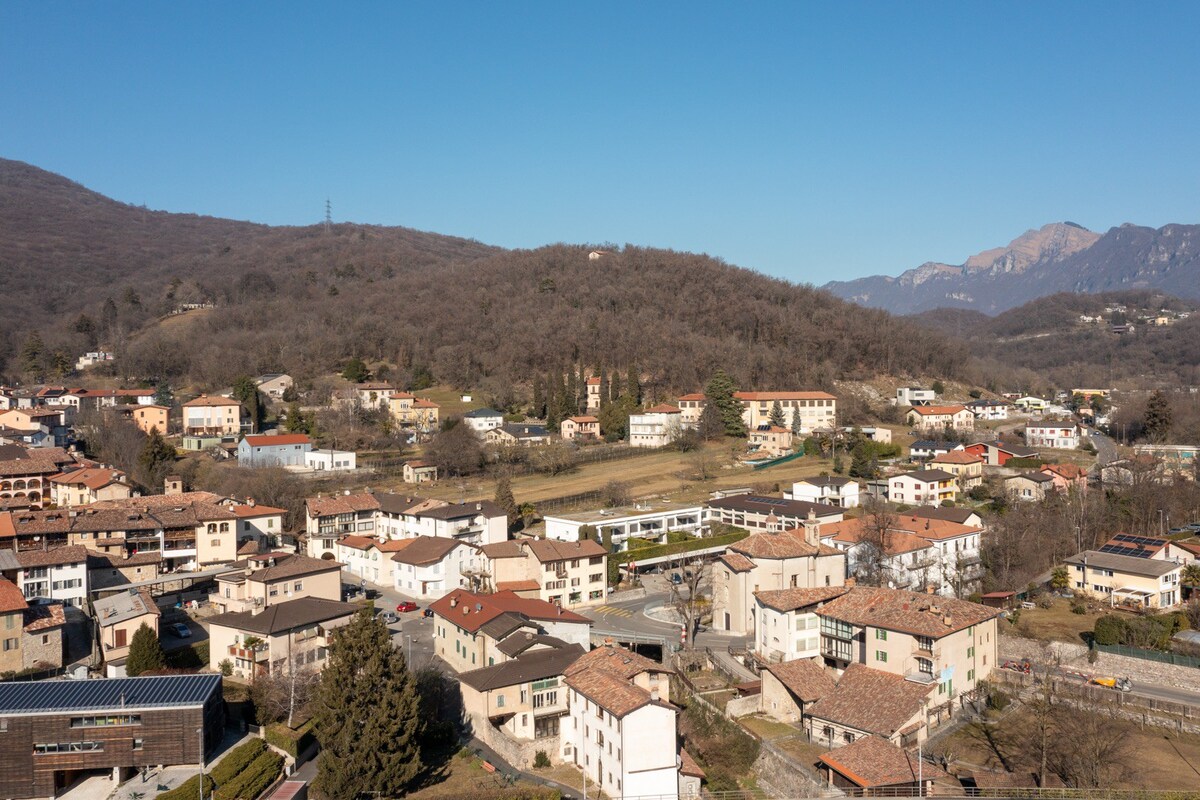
column 161, row 736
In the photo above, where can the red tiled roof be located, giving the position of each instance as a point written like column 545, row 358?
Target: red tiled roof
column 688, row 765
column 517, row 586
column 784, row 396
column 737, row 562
column 957, row 457
column 553, row 550
column 421, row 402
column 340, row 504
column 661, row 408
column 872, row 701
column 605, row 677
column 792, row 599
column 584, row 419
column 875, row 762
column 357, row 542
column 805, row 677
column 281, row 439
column 908, row 612
column 593, row 381
column 781, row 544
column 44, row 616
column 471, row 611
column 245, row 510
column 11, row 598
column 693, row 396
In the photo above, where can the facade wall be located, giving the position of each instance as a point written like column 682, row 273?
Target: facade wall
column 733, row 592
column 777, row 702
column 42, row 649
column 110, row 635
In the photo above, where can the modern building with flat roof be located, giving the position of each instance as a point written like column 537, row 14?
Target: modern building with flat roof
column 54, row 732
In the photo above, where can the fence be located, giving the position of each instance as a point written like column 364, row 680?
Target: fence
column 1149, row 655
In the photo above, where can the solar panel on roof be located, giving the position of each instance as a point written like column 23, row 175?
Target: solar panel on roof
column 26, row 697
column 1149, row 541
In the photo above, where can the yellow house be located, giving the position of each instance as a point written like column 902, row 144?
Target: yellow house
column 212, row 416
column 966, row 467
column 931, row 486
column 1126, row 581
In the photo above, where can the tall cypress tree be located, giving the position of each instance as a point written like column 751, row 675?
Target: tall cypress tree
column 633, row 385
column 614, row 386
column 552, row 417
column 367, row 715
column 539, row 399
column 504, row 498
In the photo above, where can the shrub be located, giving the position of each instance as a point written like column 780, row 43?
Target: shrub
column 1078, row 607
column 292, row 742
column 541, row 760
column 226, row 667
column 635, row 543
column 254, row 779
column 998, row 700
column 677, row 536
column 1108, row 630
column 189, row 789
column 237, row 760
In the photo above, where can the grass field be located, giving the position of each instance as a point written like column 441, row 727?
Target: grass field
column 671, row 475
column 1057, row 623
column 463, row 776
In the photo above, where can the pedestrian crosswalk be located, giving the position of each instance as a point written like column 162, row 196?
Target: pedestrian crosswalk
column 613, row 610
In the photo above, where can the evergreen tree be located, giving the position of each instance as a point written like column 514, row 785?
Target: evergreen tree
column 504, row 498
column 796, row 430
column 777, row 419
column 245, row 391
column 1157, row 421
column 162, row 394
column 367, row 717
column 356, row 371
column 602, row 394
column 860, row 462
column 108, row 315
column 60, row 363
column 633, row 385
column 571, row 399
column 539, row 398
column 145, row 652
column 156, row 459
column 710, row 426
column 31, row 355
column 719, row 393
column 86, row 328
column 614, row 387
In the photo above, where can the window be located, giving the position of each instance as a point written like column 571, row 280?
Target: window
column 881, row 655
column 881, row 634
column 971, row 652
column 214, row 542
column 68, row 747
column 105, row 721
column 499, row 701
column 11, row 644
column 299, row 585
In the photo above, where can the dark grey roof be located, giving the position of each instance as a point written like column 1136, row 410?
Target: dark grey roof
column 504, row 625
column 522, row 431
column 1036, row 477
column 530, row 667
column 1132, row 565
column 459, row 510
column 927, row 475
column 1015, row 449
column 521, row 641
column 483, row 412
column 930, row 444
column 825, row 480
column 427, row 550
column 959, row 515
column 285, row 616
column 107, row 694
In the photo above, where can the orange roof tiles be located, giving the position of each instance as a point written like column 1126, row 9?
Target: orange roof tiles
column 908, row 612
column 278, row 440
column 661, row 408
column 957, row 457
column 804, row 677
column 784, row 396
column 11, row 598
column 792, row 599
column 875, row 762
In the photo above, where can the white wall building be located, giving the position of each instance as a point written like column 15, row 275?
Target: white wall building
column 331, row 460
column 58, row 575
column 429, row 567
column 914, row 395
column 833, row 491
column 482, row 420
column 1053, row 435
column 655, row 427
column 622, row 523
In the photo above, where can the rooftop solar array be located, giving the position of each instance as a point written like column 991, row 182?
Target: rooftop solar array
column 1149, row 541
column 106, row 694
column 1126, row 544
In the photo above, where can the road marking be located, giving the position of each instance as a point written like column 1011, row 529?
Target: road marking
column 619, row 612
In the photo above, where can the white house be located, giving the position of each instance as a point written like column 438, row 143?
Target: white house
column 989, row 409
column 623, row 727
column 657, row 426
column 1029, row 403
column 914, row 396
column 786, row 625
column 830, row 490
column 938, row 418
column 926, row 448
column 284, row 450
column 58, row 575
column 482, row 420
column 1054, row 435
column 430, row 566
column 922, row 486
column 644, row 522
column 331, row 460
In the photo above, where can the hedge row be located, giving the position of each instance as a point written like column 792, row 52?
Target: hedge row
column 675, row 548
column 189, row 789
column 254, row 779
column 292, row 742
column 237, row 760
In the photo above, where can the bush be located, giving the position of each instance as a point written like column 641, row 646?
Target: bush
column 226, row 667
column 998, row 700
column 1024, row 463
column 1108, row 630
column 292, row 742
column 635, row 543
column 541, row 760
column 254, row 779
column 237, row 760
column 189, row 789
column 1078, row 607
column 677, row 536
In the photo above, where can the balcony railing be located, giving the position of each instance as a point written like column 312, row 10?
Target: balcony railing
column 258, row 653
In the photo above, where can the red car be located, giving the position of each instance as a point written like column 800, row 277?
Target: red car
column 407, row 605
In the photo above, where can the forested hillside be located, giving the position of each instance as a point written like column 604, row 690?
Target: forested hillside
column 83, row 270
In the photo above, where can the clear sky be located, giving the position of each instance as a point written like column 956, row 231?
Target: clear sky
column 808, row 141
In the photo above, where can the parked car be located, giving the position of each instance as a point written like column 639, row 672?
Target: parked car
column 389, row 617
column 180, row 630
column 407, row 605
column 427, row 613
column 676, row 578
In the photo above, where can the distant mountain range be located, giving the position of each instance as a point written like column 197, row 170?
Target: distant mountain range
column 1060, row 257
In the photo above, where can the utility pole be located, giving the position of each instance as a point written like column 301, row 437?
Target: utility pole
column 200, row 734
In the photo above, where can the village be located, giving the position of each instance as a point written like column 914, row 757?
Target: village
column 822, row 591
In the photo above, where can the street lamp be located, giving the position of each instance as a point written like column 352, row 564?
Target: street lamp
column 200, row 735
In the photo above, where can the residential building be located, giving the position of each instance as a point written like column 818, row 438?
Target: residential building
column 829, row 490
column 906, row 551
column 815, row 409
column 280, row 450
column 1052, row 435
column 793, row 558
column 38, row 422
column 419, row 472
column 375, row 395
column 786, row 625
column 914, row 396
column 998, row 454
column 770, row 440
column 428, row 567
column 517, row 434
column 921, row 638
column 760, row 513
column 1030, row 404
column 620, row 524
column 58, row 730
column 277, row 639
column 469, row 628
column 410, row 410
column 922, row 486
column 925, row 449
column 1126, row 581
column 565, row 574
column 657, row 426
column 482, row 420
column 31, row 637
column 212, row 417
column 59, row 574
column 691, row 406
column 1175, row 457
column 110, row 573
column 966, row 467
column 324, row 460
column 268, row 579
column 91, row 359
column 790, row 687
column 81, row 487
column 874, row 766
column 398, row 516
column 593, row 393
column 989, row 410
column 941, row 418
column 871, row 702
column 148, row 417
column 1066, row 477
column 623, row 727
column 274, row 384
column 1030, row 486
column 580, row 428
column 118, row 618
column 962, row 516
column 370, row 558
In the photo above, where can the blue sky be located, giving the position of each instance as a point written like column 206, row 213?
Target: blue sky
column 809, row 142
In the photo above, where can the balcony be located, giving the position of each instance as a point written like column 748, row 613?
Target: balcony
column 257, row 654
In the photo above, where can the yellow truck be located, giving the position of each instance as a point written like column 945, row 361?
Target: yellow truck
column 1120, row 684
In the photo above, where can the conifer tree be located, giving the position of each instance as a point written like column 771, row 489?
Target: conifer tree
column 614, row 386
column 719, row 393
column 156, row 459
column 571, row 404
column 539, row 398
column 367, row 716
column 145, row 652
column 504, row 498
column 602, row 394
column 633, row 385
column 1157, row 420
column 777, row 419
column 31, row 356
column 552, row 417
column 796, row 430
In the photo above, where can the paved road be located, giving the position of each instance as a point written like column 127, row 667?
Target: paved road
column 1106, row 448
column 413, row 632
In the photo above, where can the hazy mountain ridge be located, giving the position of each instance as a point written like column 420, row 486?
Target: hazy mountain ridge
column 1055, row 258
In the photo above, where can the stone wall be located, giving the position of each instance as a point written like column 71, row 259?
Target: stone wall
column 741, row 706
column 519, row 754
column 37, row 654
column 1074, row 656
column 782, row 776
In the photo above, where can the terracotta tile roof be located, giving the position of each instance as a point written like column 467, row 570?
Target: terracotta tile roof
column 1070, row 472
column 584, row 419
column 422, row 550
column 72, row 554
column 357, row 542
column 278, row 440
column 248, row 511
column 784, row 396
column 875, row 762
column 547, row 550
column 593, row 381
column 781, row 544
column 289, row 565
column 792, row 599
column 931, row 530
column 688, row 765
column 872, row 701
column 604, row 676
column 661, row 408
column 693, row 396
column 204, row 400
column 91, row 477
column 616, row 661
column 907, row 612
column 510, row 548
column 115, row 561
column 44, row 616
column 932, row 411
column 155, row 501
column 737, row 562
column 421, row 402
column 448, row 511
column 340, row 504
column 393, row 545
column 11, row 598
column 518, row 586
column 956, row 457
column 805, row 677
column 472, row 611
column 250, row 547
column 896, row 542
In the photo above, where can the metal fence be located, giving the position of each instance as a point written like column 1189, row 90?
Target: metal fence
column 1149, row 655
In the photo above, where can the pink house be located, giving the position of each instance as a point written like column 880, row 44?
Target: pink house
column 585, row 427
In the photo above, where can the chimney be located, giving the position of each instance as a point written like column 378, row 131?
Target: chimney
column 654, row 693
column 453, row 602
column 250, row 502
column 929, row 590
column 479, row 506
column 849, row 584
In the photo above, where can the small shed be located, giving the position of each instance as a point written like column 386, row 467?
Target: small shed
column 999, row 599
